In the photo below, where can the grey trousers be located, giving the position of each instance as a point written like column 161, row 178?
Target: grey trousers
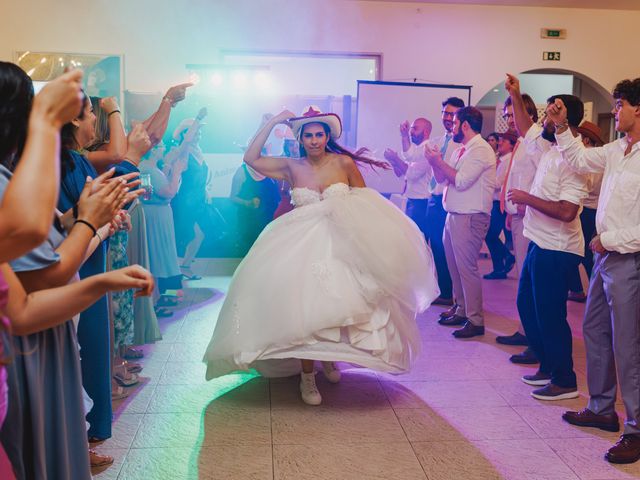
column 520, row 246
column 462, row 238
column 611, row 332
column 520, row 242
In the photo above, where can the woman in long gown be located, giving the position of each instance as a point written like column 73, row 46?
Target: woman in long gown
column 340, row 278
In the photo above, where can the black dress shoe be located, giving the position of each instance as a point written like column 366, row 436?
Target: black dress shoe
column 469, row 330
column 627, row 450
column 515, row 339
column 509, row 262
column 495, row 275
column 526, row 358
column 586, row 418
column 453, row 320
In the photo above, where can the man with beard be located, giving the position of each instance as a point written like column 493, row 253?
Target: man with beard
column 521, row 170
column 414, row 168
column 468, row 197
column 612, row 316
column 552, row 224
column 436, row 214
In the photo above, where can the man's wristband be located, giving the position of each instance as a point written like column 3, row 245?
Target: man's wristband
column 84, row 222
column 112, row 112
column 560, row 125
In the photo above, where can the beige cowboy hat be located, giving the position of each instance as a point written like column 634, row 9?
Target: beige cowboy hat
column 314, row 115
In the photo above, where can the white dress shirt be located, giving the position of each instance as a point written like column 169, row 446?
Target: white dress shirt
column 525, row 163
column 452, row 146
column 418, row 173
column 595, row 185
column 618, row 216
column 475, row 181
column 555, row 181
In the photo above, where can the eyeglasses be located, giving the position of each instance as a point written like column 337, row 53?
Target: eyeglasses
column 507, row 116
column 448, row 114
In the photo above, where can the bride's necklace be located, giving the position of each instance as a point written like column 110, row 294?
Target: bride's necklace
column 322, row 163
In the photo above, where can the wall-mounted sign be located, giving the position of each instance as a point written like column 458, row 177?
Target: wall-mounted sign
column 553, row 56
column 553, row 33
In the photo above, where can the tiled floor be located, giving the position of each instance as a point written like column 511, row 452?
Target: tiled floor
column 462, row 413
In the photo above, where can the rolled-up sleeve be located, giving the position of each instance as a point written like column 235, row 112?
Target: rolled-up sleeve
column 580, row 158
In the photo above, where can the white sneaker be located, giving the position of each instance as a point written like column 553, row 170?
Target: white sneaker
column 308, row 389
column 331, row 373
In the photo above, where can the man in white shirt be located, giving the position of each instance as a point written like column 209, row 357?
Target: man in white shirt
column 611, row 325
column 436, row 214
column 468, row 197
column 501, row 258
column 520, row 172
column 413, row 166
column 552, row 225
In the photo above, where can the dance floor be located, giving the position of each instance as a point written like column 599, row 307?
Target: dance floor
column 461, row 413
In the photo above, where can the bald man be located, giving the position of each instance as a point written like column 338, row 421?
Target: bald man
column 412, row 165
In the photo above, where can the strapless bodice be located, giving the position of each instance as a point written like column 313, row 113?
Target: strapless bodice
column 301, row 196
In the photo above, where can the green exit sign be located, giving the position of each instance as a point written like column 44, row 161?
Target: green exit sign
column 552, row 56
column 553, row 33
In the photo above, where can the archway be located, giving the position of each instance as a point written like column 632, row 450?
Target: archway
column 544, row 82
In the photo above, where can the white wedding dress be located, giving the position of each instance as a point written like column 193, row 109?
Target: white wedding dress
column 339, row 278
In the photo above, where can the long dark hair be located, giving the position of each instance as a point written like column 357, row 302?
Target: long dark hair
column 16, row 97
column 69, row 142
column 102, row 126
column 359, row 156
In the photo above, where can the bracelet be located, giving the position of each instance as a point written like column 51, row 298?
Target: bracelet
column 111, row 113
column 564, row 124
column 84, row 222
column 99, row 237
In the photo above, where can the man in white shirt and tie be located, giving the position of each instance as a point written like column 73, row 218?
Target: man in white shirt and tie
column 521, row 171
column 468, row 197
column 436, row 214
column 611, row 327
column 413, row 166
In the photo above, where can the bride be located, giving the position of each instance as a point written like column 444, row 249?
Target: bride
column 340, row 278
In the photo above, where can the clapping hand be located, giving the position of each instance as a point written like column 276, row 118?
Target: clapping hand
column 432, row 154
column 133, row 276
column 404, row 129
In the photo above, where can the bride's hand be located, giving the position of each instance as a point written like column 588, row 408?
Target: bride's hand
column 284, row 116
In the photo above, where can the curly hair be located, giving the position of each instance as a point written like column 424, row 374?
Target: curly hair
column 16, row 94
column 628, row 90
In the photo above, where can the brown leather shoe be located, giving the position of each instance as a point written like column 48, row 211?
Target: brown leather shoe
column 449, row 312
column 586, row 418
column 627, row 450
column 469, row 330
column 453, row 320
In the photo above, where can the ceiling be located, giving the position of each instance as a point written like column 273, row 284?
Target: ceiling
column 599, row 4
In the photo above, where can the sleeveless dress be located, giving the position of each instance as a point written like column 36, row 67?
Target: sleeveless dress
column 340, row 278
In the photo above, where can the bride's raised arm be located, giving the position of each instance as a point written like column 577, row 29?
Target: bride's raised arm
column 273, row 167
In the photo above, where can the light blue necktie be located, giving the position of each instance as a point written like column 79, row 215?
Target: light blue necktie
column 443, row 150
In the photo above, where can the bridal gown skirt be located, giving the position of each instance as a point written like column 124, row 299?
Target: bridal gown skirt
column 340, row 278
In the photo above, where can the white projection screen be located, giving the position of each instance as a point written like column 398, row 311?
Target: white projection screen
column 383, row 106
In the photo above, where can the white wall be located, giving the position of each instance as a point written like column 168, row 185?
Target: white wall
column 440, row 43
